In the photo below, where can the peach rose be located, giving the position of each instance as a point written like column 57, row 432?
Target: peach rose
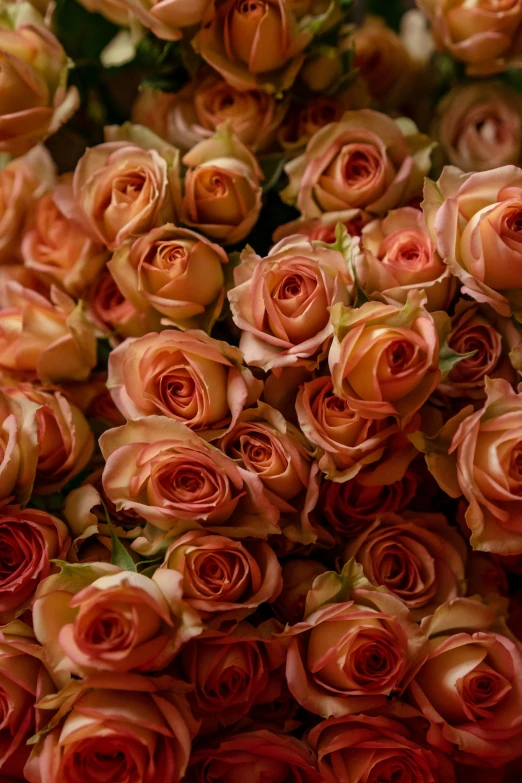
column 281, row 302
column 175, row 272
column 298, row 577
column 95, row 618
column 369, row 748
column 365, row 161
column 345, row 441
column 186, row 376
column 400, row 257
column 483, row 34
column 384, row 359
column 65, row 440
column 221, row 579
column 477, row 454
column 18, row 448
column 222, row 187
column 58, row 251
column 470, row 685
column 175, row 480
column 124, row 187
column 231, row 671
column 110, row 726
column 22, row 181
column 257, row 756
column 479, row 126
column 115, row 316
column 48, row 340
column 258, row 44
column 35, row 100
column 418, row 557
column 164, row 17
column 30, row 539
column 23, row 682
column 351, row 656
column 474, row 221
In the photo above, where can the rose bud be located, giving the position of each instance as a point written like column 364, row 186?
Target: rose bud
column 48, row 340
column 230, row 671
column 419, row 558
column 24, row 682
column 94, row 618
column 111, row 727
column 164, row 17
column 22, row 182
column 281, row 302
column 485, row 36
column 257, row 756
column 364, row 161
column 222, row 188
column 29, row 539
column 384, row 359
column 399, row 257
column 221, row 579
column 298, row 578
column 187, row 376
column 372, row 748
column 470, row 685
column 345, row 441
column 35, row 99
column 476, row 454
column 302, row 120
column 257, row 44
column 474, row 219
column 177, row 481
column 65, row 441
column 174, row 271
column 58, row 251
column 18, row 448
column 352, row 656
column 124, row 187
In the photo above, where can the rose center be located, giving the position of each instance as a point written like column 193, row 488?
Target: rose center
column 251, row 7
column 400, row 354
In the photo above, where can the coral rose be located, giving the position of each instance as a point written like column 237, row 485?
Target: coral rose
column 366, row 161
column 281, row 302
column 18, row 448
column 186, row 376
column 175, row 480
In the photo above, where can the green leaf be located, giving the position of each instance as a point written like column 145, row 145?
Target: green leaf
column 119, row 555
column 448, row 359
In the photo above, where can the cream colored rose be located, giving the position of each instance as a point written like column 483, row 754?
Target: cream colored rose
column 18, row 448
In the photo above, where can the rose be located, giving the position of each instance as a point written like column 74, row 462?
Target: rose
column 384, row 360
column 164, row 17
column 113, row 314
column 321, row 229
column 352, row 656
column 473, row 219
column 30, row 539
column 94, row 400
column 35, row 100
column 298, row 577
column 484, row 35
column 174, row 271
column 480, row 127
column 281, row 302
column 376, row 748
column 186, row 376
column 124, row 187
column 478, row 456
column 49, row 340
column 22, row 181
column 176, row 480
column 470, row 685
column 365, row 161
column 419, row 558
column 231, row 671
column 58, row 251
column 257, row 756
column 94, row 618
column 399, row 257
column 23, row 682
column 221, row 579
column 303, row 120
column 256, row 45
column 222, row 188
column 345, row 441
column 18, row 448
column 112, row 726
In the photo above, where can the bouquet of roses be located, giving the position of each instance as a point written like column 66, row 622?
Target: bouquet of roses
column 260, row 412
